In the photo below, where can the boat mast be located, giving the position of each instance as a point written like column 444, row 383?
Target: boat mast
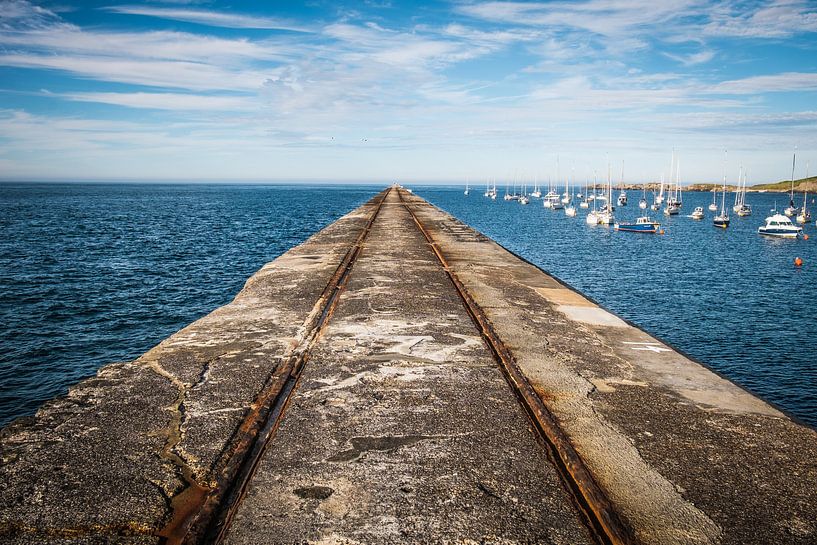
column 793, row 160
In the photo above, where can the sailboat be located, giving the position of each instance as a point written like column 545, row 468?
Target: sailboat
column 585, row 203
column 523, row 198
column 804, row 216
column 466, row 187
column 744, row 209
column 622, row 197
column 642, row 204
column 722, row 219
column 736, row 206
column 606, row 214
column 658, row 199
column 713, row 207
column 592, row 217
column 536, row 193
column 570, row 210
column 792, row 210
column 673, row 208
column 566, row 195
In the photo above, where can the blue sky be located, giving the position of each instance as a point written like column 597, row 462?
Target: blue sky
column 383, row 90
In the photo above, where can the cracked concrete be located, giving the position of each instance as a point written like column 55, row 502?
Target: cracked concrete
column 404, row 425
column 104, row 462
column 402, row 428
column 685, row 455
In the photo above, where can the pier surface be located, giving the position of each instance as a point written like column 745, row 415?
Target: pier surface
column 400, row 378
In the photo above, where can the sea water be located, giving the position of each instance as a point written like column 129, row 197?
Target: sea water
column 96, row 273
column 730, row 298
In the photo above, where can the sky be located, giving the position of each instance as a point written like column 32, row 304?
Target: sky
column 412, row 92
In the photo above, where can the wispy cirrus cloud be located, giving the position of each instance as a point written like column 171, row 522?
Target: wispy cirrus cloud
column 623, row 24
column 168, row 101
column 773, row 83
column 775, row 19
column 211, row 18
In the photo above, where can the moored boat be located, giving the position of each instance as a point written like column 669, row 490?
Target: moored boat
column 779, row 225
column 698, row 213
column 642, row 225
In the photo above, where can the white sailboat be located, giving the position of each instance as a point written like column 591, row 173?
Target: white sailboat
column 722, row 219
column 792, row 210
column 592, row 217
column 585, row 203
column 570, row 210
column 672, row 208
column 804, row 216
column 566, row 195
column 744, row 209
column 606, row 214
column 467, row 189
column 659, row 199
column 713, row 207
column 536, row 192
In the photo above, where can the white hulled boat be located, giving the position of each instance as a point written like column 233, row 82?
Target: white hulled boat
column 779, row 225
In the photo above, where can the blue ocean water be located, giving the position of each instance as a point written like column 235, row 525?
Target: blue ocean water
column 731, row 299
column 96, row 273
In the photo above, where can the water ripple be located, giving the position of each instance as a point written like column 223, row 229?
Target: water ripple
column 731, row 299
column 96, row 273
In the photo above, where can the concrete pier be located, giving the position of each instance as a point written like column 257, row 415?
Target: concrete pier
column 400, row 378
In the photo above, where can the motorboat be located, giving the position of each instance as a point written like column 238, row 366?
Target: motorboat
column 672, row 209
column 642, row 225
column 698, row 213
column 622, row 198
column 779, row 225
column 570, row 211
column 592, row 218
column 744, row 210
column 524, row 199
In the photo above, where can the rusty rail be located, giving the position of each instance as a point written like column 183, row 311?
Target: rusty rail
column 207, row 518
column 602, row 519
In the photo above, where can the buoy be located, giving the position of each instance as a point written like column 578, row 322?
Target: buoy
column 661, row 232
column 805, row 237
column 798, row 262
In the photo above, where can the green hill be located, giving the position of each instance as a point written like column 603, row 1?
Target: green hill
column 803, row 184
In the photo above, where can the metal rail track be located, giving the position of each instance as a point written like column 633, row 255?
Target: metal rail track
column 601, row 518
column 209, row 518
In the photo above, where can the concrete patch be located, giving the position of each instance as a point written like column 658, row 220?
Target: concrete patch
column 591, row 315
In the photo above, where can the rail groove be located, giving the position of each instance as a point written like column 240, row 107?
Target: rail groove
column 209, row 521
column 605, row 523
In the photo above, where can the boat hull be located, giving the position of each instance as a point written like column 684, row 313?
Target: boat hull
column 780, row 233
column 636, row 228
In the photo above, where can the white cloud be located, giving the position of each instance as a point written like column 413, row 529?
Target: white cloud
column 168, row 74
column 787, row 81
column 168, row 101
column 776, row 19
column 210, row 18
column 692, row 59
